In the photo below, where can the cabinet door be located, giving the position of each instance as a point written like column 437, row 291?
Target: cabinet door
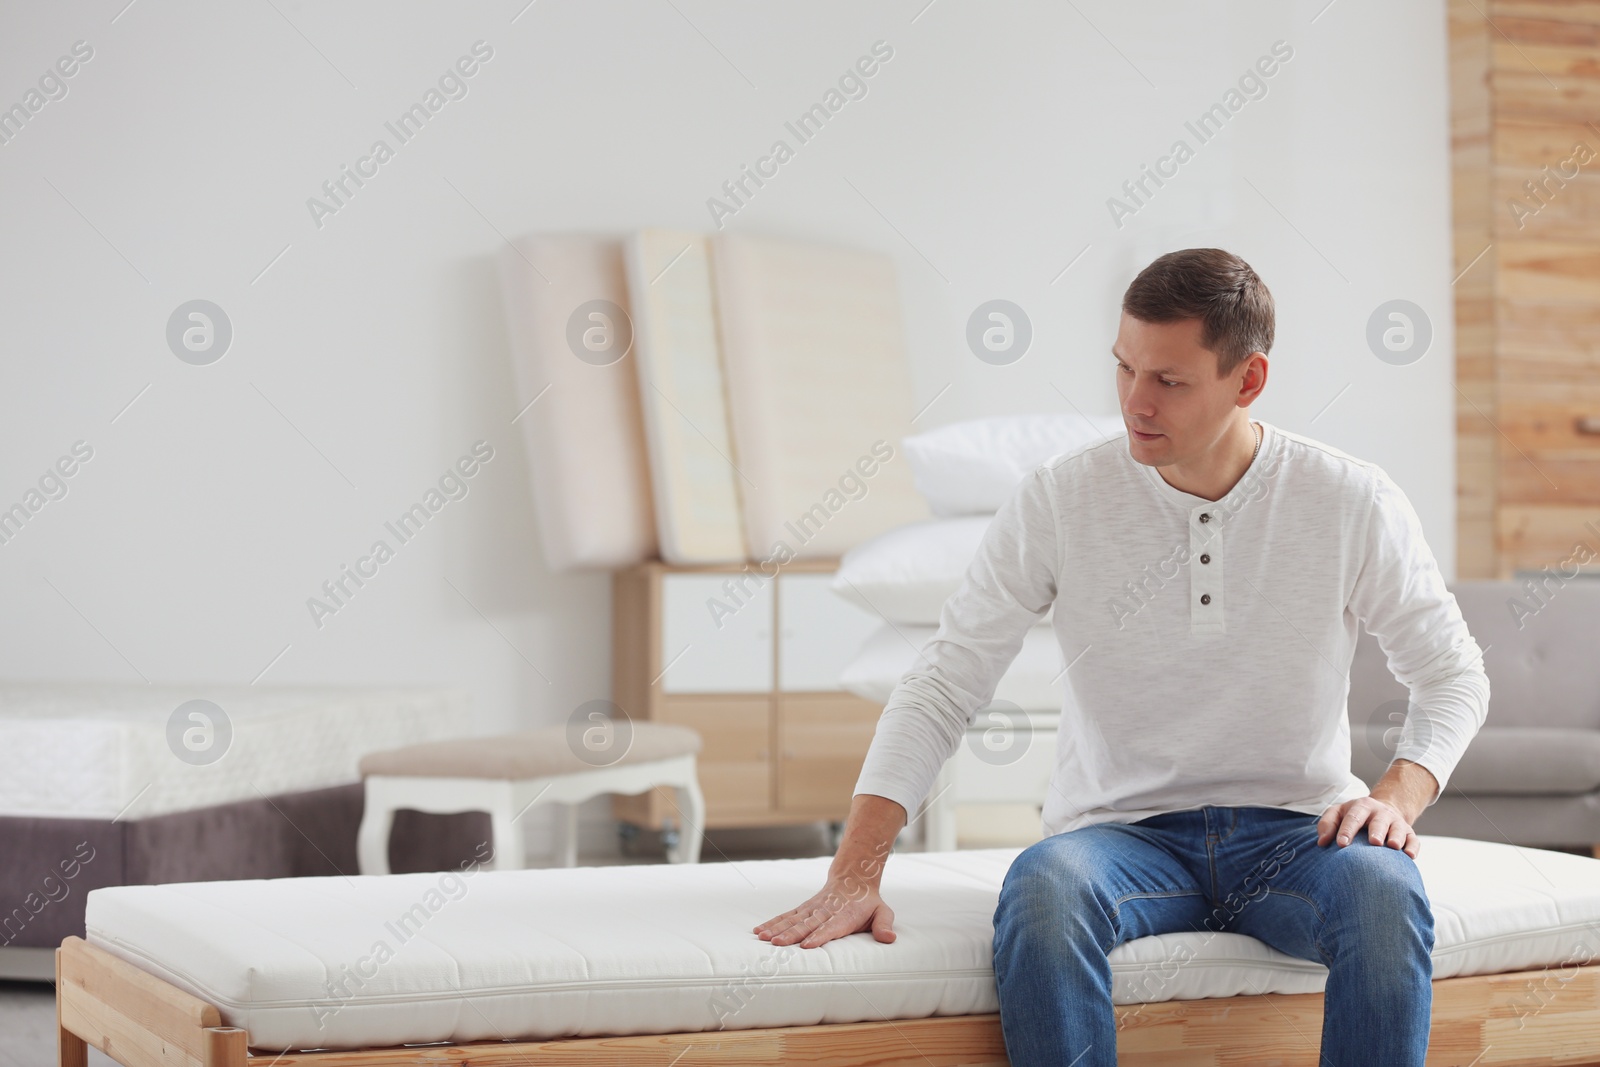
column 819, row 633
column 734, row 765
column 822, row 741
column 714, row 640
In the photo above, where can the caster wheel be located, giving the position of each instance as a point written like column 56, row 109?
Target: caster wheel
column 672, row 842
column 628, row 838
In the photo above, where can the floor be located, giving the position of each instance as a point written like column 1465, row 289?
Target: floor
column 28, row 1027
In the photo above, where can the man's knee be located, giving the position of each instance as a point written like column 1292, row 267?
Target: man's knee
column 1056, row 864
column 1380, row 894
column 1051, row 879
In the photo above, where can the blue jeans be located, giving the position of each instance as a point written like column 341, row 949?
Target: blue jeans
column 1359, row 909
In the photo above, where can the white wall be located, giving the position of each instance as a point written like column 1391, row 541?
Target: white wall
column 371, row 354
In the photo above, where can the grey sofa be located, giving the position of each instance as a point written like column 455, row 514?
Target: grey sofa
column 1532, row 774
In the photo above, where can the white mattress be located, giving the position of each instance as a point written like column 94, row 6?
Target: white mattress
column 816, row 368
column 583, row 433
column 589, row 951
column 1035, row 681
column 692, row 473
column 100, row 750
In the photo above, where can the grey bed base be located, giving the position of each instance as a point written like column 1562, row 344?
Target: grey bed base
column 49, row 865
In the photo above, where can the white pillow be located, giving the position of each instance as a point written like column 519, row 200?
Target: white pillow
column 907, row 573
column 971, row 467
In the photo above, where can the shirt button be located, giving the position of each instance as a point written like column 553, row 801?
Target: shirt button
column 1205, row 516
column 1205, row 598
column 1206, row 558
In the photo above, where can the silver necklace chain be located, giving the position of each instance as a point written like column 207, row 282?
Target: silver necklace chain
column 1259, row 436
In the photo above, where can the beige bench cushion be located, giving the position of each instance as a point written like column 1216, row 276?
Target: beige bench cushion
column 530, row 754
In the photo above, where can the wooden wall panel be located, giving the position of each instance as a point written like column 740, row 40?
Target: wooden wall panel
column 1547, row 341
column 1525, row 121
column 1471, row 154
column 1555, row 536
column 1585, row 12
column 1566, row 271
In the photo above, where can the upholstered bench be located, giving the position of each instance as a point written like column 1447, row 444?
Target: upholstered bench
column 507, row 775
column 657, row 964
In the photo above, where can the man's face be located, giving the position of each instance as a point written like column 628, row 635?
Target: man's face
column 1168, row 386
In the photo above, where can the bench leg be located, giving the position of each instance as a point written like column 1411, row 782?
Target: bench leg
column 692, row 806
column 939, row 814
column 508, row 848
column 567, row 835
column 372, row 840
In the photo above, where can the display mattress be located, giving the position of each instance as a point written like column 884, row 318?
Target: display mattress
column 667, row 948
column 566, row 300
column 108, row 750
column 819, row 393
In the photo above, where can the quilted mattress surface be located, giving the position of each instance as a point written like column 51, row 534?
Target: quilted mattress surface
column 107, row 750
column 590, row 951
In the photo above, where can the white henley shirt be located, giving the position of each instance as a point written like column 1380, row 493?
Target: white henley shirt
column 1207, row 643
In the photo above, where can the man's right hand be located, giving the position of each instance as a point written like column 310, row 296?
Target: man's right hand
column 843, row 906
column 848, row 902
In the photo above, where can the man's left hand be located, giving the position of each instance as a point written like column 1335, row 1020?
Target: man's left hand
column 1387, row 825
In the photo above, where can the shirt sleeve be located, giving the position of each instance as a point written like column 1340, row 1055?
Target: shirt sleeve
column 1401, row 599
column 1009, row 586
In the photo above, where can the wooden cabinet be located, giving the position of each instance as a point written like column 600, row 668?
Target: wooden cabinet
column 822, row 739
column 752, row 663
column 735, row 766
column 730, row 651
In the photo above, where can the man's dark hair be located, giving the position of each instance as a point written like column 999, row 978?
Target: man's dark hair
column 1214, row 286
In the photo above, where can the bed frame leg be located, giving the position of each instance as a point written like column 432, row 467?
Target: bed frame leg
column 71, row 1050
column 225, row 1046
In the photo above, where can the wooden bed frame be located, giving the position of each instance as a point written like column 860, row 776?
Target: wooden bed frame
column 1544, row 1018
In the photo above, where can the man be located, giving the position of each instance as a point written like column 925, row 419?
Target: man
column 1208, row 576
